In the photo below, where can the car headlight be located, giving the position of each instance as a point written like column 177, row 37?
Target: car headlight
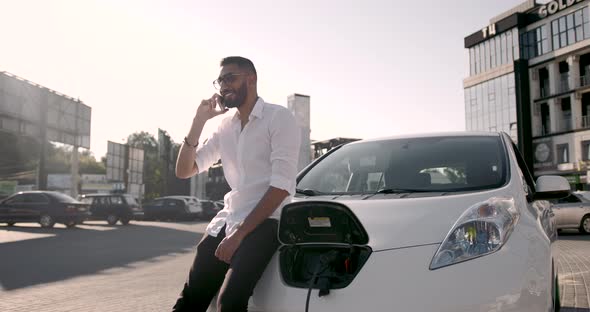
column 481, row 230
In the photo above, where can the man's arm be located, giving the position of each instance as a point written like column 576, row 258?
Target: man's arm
column 186, row 166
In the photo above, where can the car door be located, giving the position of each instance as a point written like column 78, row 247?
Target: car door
column 570, row 210
column 118, row 206
column 36, row 204
column 10, row 207
column 173, row 207
column 99, row 206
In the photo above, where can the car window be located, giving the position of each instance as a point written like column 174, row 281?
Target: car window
column 16, row 199
column 62, row 198
column 159, row 202
column 86, row 200
column 429, row 164
column 130, row 200
column 35, row 198
column 568, row 200
column 116, row 200
column 173, row 202
column 102, row 200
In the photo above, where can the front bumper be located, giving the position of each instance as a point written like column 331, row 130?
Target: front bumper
column 400, row 280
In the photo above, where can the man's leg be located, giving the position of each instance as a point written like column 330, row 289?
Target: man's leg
column 205, row 277
column 247, row 266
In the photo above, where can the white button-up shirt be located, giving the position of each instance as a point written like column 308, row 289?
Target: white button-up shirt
column 263, row 154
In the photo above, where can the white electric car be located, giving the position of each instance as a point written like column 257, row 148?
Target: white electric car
column 447, row 222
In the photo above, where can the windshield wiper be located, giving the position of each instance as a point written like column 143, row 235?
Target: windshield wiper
column 400, row 190
column 308, row 192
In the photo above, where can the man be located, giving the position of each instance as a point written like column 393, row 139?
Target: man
column 258, row 147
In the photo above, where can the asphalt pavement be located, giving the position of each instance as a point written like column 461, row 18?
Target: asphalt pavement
column 142, row 267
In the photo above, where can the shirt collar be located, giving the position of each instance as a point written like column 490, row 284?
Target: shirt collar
column 256, row 111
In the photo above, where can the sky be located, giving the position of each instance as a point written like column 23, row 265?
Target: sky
column 372, row 68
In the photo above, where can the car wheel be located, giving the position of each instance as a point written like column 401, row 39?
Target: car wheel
column 112, row 219
column 46, row 221
column 556, row 299
column 10, row 223
column 585, row 225
column 125, row 221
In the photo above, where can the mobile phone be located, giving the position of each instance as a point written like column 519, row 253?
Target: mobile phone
column 220, row 104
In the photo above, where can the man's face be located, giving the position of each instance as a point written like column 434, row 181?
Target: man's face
column 234, row 87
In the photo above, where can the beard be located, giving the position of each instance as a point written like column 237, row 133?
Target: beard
column 239, row 97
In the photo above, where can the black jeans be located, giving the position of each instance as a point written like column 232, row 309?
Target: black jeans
column 235, row 281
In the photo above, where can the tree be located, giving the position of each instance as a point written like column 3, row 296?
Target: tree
column 19, row 158
column 143, row 140
column 59, row 160
column 89, row 165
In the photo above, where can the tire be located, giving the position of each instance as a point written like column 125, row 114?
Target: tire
column 557, row 301
column 585, row 224
column 46, row 221
column 556, row 293
column 112, row 219
column 10, row 223
column 124, row 221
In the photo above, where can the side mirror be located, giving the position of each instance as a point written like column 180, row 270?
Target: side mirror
column 552, row 187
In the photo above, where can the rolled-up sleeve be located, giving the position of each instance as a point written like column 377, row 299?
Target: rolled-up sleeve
column 285, row 140
column 208, row 154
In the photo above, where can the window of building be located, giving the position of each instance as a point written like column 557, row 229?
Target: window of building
column 515, row 48
column 562, row 153
column 509, row 47
column 486, row 55
column 471, row 61
column 535, row 42
column 570, row 28
column 586, row 150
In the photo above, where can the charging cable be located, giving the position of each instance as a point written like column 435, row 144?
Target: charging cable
column 325, row 259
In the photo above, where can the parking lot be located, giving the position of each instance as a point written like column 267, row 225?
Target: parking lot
column 96, row 267
column 141, row 267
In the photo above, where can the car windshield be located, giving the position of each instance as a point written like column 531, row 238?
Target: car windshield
column 63, row 198
column 430, row 164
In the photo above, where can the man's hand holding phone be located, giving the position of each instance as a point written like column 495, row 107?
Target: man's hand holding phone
column 211, row 108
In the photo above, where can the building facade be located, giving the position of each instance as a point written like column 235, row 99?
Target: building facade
column 529, row 76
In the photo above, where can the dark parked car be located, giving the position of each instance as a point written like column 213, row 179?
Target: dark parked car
column 113, row 207
column 44, row 207
column 172, row 208
column 211, row 208
column 180, row 208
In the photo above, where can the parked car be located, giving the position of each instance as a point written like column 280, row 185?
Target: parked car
column 44, row 207
column 113, row 207
column 572, row 212
column 211, row 208
column 173, row 208
column 444, row 222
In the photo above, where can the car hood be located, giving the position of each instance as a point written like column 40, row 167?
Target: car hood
column 406, row 222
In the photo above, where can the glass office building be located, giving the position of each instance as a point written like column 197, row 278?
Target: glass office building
column 529, row 76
